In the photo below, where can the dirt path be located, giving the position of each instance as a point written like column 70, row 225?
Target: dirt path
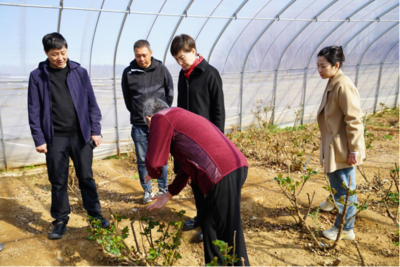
column 272, row 237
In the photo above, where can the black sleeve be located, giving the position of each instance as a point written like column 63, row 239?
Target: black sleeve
column 217, row 108
column 126, row 91
column 169, row 87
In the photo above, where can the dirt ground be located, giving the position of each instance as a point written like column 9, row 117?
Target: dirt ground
column 271, row 236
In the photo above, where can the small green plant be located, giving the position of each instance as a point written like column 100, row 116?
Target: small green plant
column 163, row 240
column 395, row 238
column 112, row 157
column 227, row 258
column 388, row 137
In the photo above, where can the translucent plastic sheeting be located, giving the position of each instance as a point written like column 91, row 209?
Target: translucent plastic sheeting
column 267, row 46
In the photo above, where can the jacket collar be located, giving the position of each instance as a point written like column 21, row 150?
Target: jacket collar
column 329, row 88
column 153, row 65
column 202, row 66
column 334, row 80
column 44, row 65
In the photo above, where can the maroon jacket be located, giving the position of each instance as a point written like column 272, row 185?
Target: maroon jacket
column 204, row 153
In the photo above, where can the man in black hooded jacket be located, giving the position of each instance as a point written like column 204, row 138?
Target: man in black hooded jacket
column 144, row 78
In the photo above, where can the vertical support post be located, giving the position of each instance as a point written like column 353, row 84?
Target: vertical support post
column 377, row 86
column 4, row 144
column 357, row 71
column 303, row 98
column 274, row 97
column 397, row 94
column 115, row 78
column 241, row 100
column 59, row 15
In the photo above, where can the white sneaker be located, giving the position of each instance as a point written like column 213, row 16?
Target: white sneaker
column 327, row 206
column 345, row 235
column 162, row 191
column 147, row 196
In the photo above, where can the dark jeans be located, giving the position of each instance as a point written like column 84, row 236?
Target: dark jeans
column 140, row 137
column 57, row 160
column 220, row 217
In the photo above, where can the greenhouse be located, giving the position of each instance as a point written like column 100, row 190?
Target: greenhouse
column 265, row 50
column 199, row 133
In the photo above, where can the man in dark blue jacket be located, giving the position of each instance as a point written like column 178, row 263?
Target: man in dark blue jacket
column 144, row 78
column 65, row 122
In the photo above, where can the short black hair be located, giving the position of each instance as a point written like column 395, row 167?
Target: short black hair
column 333, row 54
column 183, row 43
column 140, row 44
column 54, row 41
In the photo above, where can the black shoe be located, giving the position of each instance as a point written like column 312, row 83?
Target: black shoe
column 104, row 223
column 191, row 224
column 60, row 228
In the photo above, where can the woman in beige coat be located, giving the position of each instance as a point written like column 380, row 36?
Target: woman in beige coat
column 342, row 134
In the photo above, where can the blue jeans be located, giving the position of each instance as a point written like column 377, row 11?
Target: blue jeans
column 140, row 137
column 336, row 179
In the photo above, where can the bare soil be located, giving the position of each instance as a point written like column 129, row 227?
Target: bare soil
column 271, row 235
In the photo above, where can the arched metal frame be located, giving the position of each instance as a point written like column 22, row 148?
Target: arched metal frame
column 369, row 45
column 397, row 93
column 284, row 51
column 224, row 28
column 176, row 28
column 180, row 15
column 380, row 75
column 59, row 15
column 305, row 40
column 94, row 35
column 154, row 22
column 115, row 79
column 240, row 34
column 204, row 24
column 364, row 28
column 248, row 53
column 303, row 100
column 4, row 144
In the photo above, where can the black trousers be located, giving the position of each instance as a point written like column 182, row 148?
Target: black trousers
column 198, row 198
column 57, row 160
column 220, row 217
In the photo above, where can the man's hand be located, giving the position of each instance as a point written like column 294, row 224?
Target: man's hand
column 97, row 139
column 42, row 148
column 352, row 158
column 161, row 201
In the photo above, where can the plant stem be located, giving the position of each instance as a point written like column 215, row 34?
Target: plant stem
column 359, row 253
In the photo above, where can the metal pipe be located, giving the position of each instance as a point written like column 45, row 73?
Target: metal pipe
column 377, row 19
column 4, row 144
column 247, row 56
column 397, row 94
column 369, row 45
column 115, row 80
column 316, row 47
column 185, row 15
column 59, row 15
column 284, row 51
column 176, row 28
column 152, row 25
column 94, row 34
column 226, row 26
column 204, row 24
column 380, row 76
column 240, row 34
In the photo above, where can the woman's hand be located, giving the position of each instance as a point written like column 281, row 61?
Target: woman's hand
column 352, row 158
column 161, row 201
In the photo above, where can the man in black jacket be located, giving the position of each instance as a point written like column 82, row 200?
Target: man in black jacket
column 144, row 78
column 199, row 91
